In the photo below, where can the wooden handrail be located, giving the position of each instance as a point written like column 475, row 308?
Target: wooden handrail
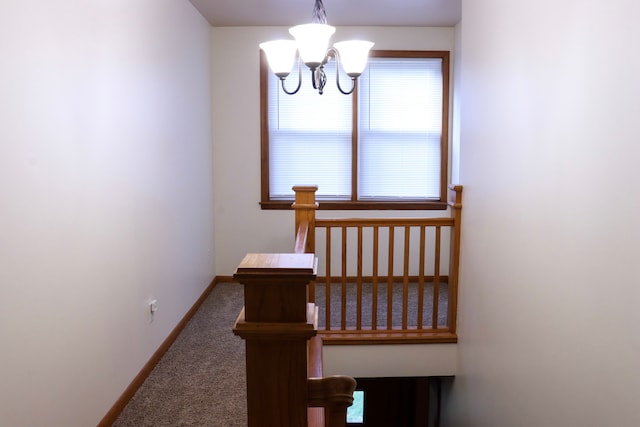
column 334, row 394
column 316, row 414
column 302, row 235
column 392, row 241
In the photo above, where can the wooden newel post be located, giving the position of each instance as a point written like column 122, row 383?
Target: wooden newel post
column 276, row 323
column 455, row 202
column 305, row 207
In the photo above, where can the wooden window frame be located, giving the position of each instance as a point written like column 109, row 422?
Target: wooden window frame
column 354, row 203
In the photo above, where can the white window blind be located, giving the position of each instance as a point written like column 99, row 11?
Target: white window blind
column 399, row 133
column 400, row 122
column 309, row 138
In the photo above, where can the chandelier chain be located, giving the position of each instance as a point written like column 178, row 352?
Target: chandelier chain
column 319, row 15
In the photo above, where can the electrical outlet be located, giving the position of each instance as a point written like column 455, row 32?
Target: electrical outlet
column 153, row 307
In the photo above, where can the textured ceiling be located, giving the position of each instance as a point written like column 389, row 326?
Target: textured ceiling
column 225, row 13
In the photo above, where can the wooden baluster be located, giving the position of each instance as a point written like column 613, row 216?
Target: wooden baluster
column 327, row 291
column 359, row 283
column 455, row 201
column 374, row 296
column 421, row 277
column 405, row 278
column 390, row 279
column 344, row 279
column 436, row 280
column 276, row 323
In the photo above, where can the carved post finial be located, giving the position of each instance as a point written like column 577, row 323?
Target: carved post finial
column 305, row 207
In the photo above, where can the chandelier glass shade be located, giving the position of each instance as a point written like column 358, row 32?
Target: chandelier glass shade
column 311, row 46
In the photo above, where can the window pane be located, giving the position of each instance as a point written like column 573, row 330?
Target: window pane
column 309, row 138
column 399, row 166
column 305, row 158
column 400, row 124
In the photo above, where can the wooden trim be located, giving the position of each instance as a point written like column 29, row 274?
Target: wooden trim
column 264, row 127
column 408, row 53
column 277, row 331
column 112, row 415
column 362, row 337
column 444, row 133
column 361, row 205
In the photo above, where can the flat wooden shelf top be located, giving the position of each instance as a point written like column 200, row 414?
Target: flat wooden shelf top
column 290, row 263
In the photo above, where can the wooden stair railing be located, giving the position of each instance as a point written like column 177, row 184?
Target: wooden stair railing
column 277, row 324
column 329, row 397
column 335, row 395
column 423, row 325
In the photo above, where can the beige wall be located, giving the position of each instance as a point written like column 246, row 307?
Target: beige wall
column 549, row 158
column 105, row 197
column 241, row 226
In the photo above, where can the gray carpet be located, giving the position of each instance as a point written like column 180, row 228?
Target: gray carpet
column 200, row 381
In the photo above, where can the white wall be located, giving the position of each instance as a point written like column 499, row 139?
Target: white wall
column 105, row 197
column 241, row 226
column 401, row 360
column 549, row 277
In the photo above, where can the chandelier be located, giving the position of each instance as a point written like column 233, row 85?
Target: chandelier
column 311, row 45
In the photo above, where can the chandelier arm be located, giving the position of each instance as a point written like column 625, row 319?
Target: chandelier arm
column 313, row 78
column 353, row 79
column 299, row 79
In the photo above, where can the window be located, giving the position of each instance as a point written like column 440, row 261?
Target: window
column 355, row 412
column 384, row 147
